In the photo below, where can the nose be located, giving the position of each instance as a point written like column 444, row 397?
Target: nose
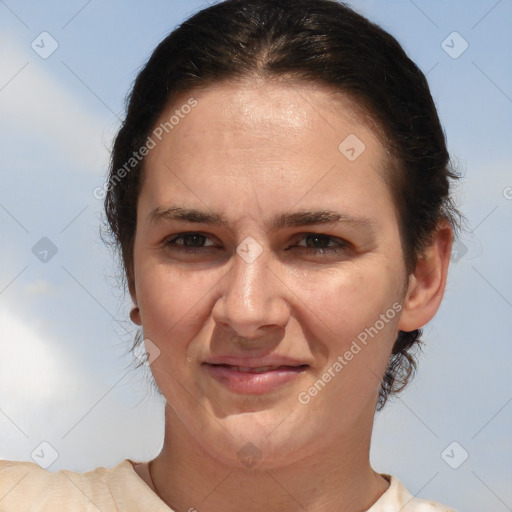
column 253, row 300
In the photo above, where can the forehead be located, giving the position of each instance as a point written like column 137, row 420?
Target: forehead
column 231, row 112
column 267, row 140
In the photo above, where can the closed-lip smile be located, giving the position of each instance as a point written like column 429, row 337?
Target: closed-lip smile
column 253, row 375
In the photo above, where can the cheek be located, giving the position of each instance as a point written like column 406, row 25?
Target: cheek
column 175, row 307
column 360, row 308
column 351, row 298
column 174, row 303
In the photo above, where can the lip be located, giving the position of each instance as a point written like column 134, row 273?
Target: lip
column 254, row 376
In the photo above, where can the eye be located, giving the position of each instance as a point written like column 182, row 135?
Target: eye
column 319, row 243
column 199, row 243
column 192, row 243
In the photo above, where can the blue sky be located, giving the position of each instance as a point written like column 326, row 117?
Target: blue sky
column 65, row 371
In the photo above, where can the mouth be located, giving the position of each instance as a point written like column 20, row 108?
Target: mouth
column 254, row 380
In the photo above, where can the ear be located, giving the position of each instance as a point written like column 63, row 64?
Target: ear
column 427, row 283
column 135, row 312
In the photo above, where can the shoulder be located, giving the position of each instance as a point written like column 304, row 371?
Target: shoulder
column 23, row 484
column 26, row 486
column 397, row 497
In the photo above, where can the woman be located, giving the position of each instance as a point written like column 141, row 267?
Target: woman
column 280, row 196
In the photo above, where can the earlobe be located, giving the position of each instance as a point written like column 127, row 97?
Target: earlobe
column 135, row 312
column 427, row 283
column 135, row 315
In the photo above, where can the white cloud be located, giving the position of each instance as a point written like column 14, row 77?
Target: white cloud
column 40, row 106
column 29, row 368
column 48, row 394
column 40, row 287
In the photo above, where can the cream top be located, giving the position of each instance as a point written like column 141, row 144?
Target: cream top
column 25, row 486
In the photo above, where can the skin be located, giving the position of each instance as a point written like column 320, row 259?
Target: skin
column 251, row 151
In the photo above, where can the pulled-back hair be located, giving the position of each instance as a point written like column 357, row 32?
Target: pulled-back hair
column 319, row 41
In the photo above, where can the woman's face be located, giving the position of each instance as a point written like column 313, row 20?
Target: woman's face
column 268, row 270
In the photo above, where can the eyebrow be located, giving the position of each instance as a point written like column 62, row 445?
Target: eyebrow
column 284, row 220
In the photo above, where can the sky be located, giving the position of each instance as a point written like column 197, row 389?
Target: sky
column 66, row 375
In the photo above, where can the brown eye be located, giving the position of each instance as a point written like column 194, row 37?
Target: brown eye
column 321, row 243
column 189, row 242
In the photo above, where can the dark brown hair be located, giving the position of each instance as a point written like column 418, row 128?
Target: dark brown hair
column 319, row 41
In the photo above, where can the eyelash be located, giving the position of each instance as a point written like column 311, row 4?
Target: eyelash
column 170, row 243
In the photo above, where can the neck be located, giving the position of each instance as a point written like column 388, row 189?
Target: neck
column 340, row 478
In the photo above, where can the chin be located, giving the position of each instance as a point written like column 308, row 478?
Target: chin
column 257, row 440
